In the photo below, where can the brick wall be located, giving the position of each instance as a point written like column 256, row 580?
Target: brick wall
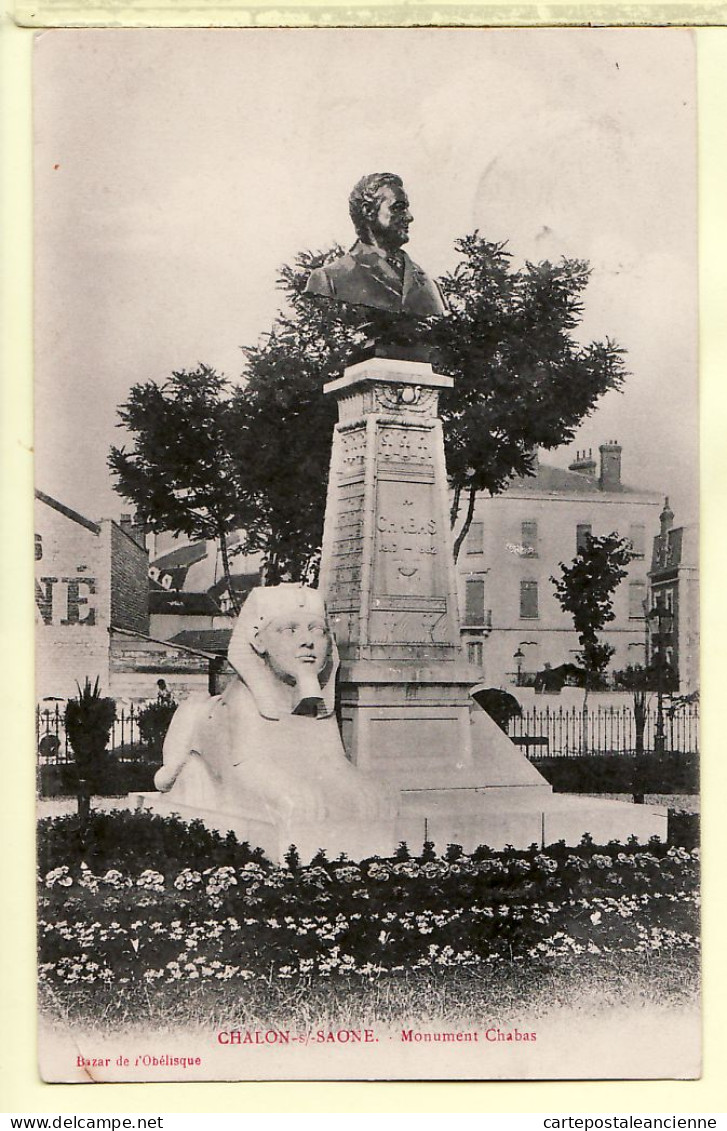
column 129, row 581
column 136, row 665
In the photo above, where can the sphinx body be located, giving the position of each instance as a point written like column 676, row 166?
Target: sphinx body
column 269, row 746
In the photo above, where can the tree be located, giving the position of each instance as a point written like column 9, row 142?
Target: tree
column 183, row 474
column 639, row 681
column 585, row 590
column 521, row 381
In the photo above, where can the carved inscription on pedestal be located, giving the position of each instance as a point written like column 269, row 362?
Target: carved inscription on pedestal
column 406, row 539
column 345, row 582
column 410, row 580
column 352, row 450
column 401, row 447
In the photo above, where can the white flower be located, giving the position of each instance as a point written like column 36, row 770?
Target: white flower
column 149, row 880
column 113, row 878
column 59, row 876
column 187, row 879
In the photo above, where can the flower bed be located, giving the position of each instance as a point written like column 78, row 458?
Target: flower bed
column 240, row 920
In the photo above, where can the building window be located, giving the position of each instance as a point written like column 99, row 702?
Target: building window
column 475, row 601
column 476, row 538
column 529, row 599
column 529, row 538
column 637, row 593
column 637, row 538
column 475, row 653
column 668, row 600
column 583, row 533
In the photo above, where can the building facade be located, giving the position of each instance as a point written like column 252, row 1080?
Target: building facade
column 674, row 600
column 89, row 578
column 512, row 624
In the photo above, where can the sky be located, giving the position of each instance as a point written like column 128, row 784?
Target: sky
column 176, row 170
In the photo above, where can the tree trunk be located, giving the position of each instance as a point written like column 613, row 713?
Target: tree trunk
column 637, row 787
column 454, row 511
column 639, row 721
column 467, row 522
column 84, row 810
column 226, row 568
column 584, row 719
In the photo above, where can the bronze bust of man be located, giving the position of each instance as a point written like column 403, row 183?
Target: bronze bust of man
column 376, row 272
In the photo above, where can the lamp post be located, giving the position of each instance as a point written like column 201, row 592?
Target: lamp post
column 664, row 620
column 518, row 657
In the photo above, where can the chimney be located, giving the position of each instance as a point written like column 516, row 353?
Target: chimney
column 666, row 518
column 584, row 463
column 128, row 524
column 610, row 477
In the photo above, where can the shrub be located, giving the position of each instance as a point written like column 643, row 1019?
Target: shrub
column 134, row 841
column 500, row 705
column 157, row 903
column 110, row 777
column 89, row 719
column 614, row 773
column 154, row 720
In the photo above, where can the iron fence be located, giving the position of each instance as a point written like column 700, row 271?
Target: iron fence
column 52, row 741
column 570, row 732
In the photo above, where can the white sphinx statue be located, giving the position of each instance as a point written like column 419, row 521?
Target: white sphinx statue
column 269, row 747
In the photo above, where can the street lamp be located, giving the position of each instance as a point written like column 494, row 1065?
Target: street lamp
column 519, row 657
column 664, row 620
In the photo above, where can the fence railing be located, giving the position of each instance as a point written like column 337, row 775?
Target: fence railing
column 569, row 732
column 552, row 731
column 52, row 740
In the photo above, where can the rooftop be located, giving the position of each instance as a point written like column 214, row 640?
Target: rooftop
column 560, row 480
column 206, row 640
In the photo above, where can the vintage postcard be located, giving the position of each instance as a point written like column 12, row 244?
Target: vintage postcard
column 366, row 554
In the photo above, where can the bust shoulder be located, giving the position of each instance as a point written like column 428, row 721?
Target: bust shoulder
column 341, row 265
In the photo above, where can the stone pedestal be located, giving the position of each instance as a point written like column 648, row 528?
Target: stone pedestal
column 388, row 578
column 388, row 575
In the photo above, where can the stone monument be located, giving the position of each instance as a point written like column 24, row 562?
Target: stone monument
column 388, row 577
column 422, row 762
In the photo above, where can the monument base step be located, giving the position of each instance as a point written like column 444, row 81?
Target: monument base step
column 495, row 817
column 523, row 816
column 357, row 841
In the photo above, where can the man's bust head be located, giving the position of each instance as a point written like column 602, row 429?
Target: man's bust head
column 376, row 272
column 379, row 210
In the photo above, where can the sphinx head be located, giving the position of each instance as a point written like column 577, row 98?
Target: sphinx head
column 294, row 643
column 283, row 631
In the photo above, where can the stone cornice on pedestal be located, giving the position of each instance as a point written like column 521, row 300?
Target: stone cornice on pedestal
column 381, row 369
